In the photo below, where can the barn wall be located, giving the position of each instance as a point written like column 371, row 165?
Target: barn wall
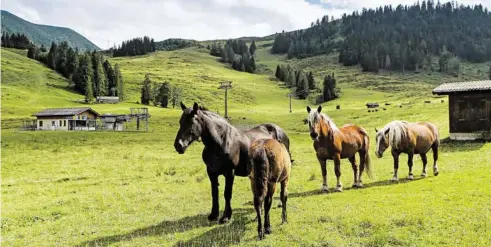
column 470, row 112
column 52, row 123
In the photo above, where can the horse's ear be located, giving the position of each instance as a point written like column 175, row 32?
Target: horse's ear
column 319, row 109
column 195, row 107
column 376, row 130
column 308, row 109
column 387, row 131
column 183, row 107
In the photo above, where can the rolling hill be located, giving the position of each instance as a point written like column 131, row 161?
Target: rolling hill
column 44, row 34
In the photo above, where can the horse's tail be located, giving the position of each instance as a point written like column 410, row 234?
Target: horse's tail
column 368, row 162
column 260, row 164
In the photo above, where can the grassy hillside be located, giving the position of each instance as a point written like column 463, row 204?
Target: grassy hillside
column 44, row 34
column 133, row 189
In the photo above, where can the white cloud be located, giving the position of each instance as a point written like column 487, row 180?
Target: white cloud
column 112, row 21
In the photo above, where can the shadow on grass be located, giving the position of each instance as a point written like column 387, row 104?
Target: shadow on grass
column 231, row 232
column 368, row 185
column 223, row 235
column 453, row 146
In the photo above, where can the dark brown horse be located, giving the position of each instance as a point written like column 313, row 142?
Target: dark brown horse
column 226, row 149
column 332, row 143
column 409, row 138
column 271, row 164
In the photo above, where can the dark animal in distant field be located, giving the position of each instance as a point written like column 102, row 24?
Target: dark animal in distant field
column 333, row 143
column 226, row 149
column 410, row 138
column 384, row 109
column 270, row 165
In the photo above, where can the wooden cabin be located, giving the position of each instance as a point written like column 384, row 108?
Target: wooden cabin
column 107, row 99
column 81, row 118
column 469, row 109
column 372, row 105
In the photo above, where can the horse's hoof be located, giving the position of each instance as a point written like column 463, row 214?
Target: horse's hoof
column 436, row 173
column 423, row 175
column 213, row 217
column 338, row 189
column 410, row 177
column 394, row 179
column 267, row 230
column 284, row 222
column 224, row 220
column 261, row 235
column 324, row 189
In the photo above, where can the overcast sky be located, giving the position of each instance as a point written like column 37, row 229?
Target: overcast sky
column 112, row 21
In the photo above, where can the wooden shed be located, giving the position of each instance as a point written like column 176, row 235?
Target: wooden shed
column 107, row 99
column 80, row 118
column 372, row 105
column 469, row 109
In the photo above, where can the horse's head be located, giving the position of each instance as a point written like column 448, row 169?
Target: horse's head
column 314, row 122
column 382, row 140
column 190, row 127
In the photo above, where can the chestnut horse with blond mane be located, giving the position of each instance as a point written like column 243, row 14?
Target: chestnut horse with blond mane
column 409, row 138
column 333, row 143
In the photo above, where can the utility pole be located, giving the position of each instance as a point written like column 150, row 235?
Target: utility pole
column 226, row 85
column 290, row 96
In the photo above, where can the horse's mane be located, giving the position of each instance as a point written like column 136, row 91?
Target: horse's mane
column 397, row 132
column 329, row 121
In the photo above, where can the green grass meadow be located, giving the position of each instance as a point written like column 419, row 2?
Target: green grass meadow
column 134, row 189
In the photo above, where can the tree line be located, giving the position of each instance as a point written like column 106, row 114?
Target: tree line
column 160, row 94
column 16, row 40
column 401, row 38
column 174, row 44
column 90, row 73
column 134, row 47
column 237, row 54
column 303, row 83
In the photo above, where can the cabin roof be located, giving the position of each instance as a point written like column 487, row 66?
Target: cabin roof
column 64, row 111
column 469, row 86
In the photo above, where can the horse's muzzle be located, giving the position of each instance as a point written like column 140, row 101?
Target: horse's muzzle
column 313, row 135
column 179, row 147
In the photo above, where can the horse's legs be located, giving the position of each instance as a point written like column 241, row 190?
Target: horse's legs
column 284, row 198
column 337, row 170
column 268, row 200
column 434, row 147
column 425, row 161
column 362, row 167
column 229, row 183
column 214, row 194
column 410, row 156
column 352, row 160
column 324, row 174
column 395, row 156
column 258, row 201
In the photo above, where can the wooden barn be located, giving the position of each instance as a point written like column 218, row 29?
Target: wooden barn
column 469, row 109
column 81, row 118
column 372, row 105
column 107, row 99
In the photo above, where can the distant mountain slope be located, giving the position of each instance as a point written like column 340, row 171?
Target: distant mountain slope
column 44, row 34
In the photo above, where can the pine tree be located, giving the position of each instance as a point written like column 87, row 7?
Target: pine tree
column 118, row 82
column 164, row 94
column 224, row 54
column 278, row 70
column 112, row 89
column 43, row 48
column 146, row 91
column 100, row 80
column 252, row 48
column 85, row 77
column 71, row 63
column 327, row 88
column 387, row 62
column 51, row 59
column 176, row 96
column 310, row 78
column 302, row 90
column 33, row 53
column 489, row 72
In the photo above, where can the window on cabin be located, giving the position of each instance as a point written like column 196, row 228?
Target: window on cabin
column 61, row 124
column 40, row 123
column 64, row 123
